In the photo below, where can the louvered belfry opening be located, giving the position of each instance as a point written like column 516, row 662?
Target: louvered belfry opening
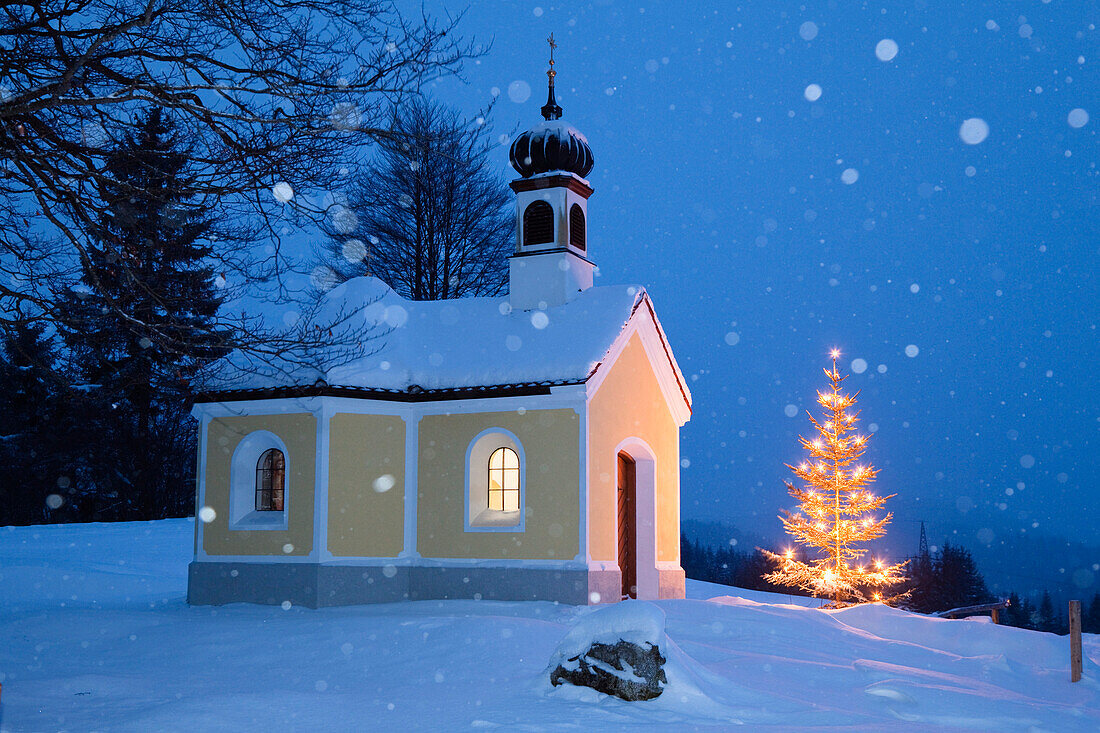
column 576, row 226
column 538, row 223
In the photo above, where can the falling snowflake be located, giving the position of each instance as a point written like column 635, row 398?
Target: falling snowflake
column 354, row 250
column 886, row 49
column 282, row 192
column 1077, row 117
column 519, row 91
column 973, row 130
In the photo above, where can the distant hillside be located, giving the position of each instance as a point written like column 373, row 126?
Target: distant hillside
column 1025, row 563
column 1030, row 564
column 720, row 534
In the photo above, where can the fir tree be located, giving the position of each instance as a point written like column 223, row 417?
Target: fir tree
column 1015, row 614
column 924, row 588
column 1091, row 620
column 142, row 323
column 33, row 458
column 1044, row 618
column 836, row 509
column 959, row 583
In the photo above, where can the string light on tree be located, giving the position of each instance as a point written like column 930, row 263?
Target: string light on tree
column 837, row 513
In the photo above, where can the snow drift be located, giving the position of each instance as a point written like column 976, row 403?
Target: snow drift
column 95, row 635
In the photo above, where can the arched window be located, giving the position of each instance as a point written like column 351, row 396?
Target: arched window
column 270, row 479
column 504, row 480
column 495, row 482
column 538, row 223
column 576, row 227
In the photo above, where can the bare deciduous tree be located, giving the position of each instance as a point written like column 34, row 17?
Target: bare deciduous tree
column 428, row 216
column 271, row 97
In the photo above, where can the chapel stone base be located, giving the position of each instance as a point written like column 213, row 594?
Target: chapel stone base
column 315, row 586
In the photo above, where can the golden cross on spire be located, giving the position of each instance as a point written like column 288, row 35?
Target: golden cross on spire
column 551, row 73
column 551, row 110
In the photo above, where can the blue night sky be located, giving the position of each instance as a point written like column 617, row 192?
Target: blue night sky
column 723, row 189
column 784, row 182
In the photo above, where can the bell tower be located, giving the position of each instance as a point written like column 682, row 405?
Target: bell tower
column 550, row 265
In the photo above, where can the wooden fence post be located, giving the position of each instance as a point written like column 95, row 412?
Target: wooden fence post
column 1075, row 641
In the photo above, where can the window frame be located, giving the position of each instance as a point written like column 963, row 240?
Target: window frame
column 478, row 517
column 277, row 470
column 243, row 465
column 505, row 471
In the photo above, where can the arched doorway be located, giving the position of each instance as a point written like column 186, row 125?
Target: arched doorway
column 627, row 523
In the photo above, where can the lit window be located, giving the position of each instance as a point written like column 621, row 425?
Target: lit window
column 504, row 480
column 495, row 483
column 270, row 478
column 538, row 223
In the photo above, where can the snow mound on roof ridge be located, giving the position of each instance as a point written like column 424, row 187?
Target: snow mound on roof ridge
column 380, row 340
column 560, row 126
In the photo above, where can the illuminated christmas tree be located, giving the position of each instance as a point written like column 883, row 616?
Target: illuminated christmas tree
column 837, row 512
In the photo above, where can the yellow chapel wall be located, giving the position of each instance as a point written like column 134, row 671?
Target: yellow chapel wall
column 298, row 432
column 366, row 485
column 551, row 446
column 630, row 404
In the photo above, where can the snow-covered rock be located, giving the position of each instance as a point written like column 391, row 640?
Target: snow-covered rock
column 615, row 650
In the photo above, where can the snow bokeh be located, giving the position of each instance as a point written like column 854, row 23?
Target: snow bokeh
column 886, row 49
column 973, row 130
column 282, row 192
column 519, row 91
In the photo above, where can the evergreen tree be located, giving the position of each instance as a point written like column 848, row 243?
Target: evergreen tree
column 1044, row 618
column 1091, row 620
column 837, row 511
column 1015, row 614
column 959, row 582
column 141, row 325
column 33, row 460
column 923, row 586
column 1028, row 614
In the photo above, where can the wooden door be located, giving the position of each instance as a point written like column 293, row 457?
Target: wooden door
column 628, row 535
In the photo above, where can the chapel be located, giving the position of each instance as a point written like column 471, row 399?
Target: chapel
column 523, row 447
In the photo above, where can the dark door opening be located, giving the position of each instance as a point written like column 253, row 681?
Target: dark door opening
column 628, row 536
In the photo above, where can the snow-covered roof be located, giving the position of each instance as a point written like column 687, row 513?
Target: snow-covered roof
column 446, row 344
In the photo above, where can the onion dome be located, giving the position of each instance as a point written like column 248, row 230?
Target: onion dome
column 553, row 145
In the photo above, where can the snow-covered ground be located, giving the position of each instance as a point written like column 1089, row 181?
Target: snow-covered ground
column 95, row 635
